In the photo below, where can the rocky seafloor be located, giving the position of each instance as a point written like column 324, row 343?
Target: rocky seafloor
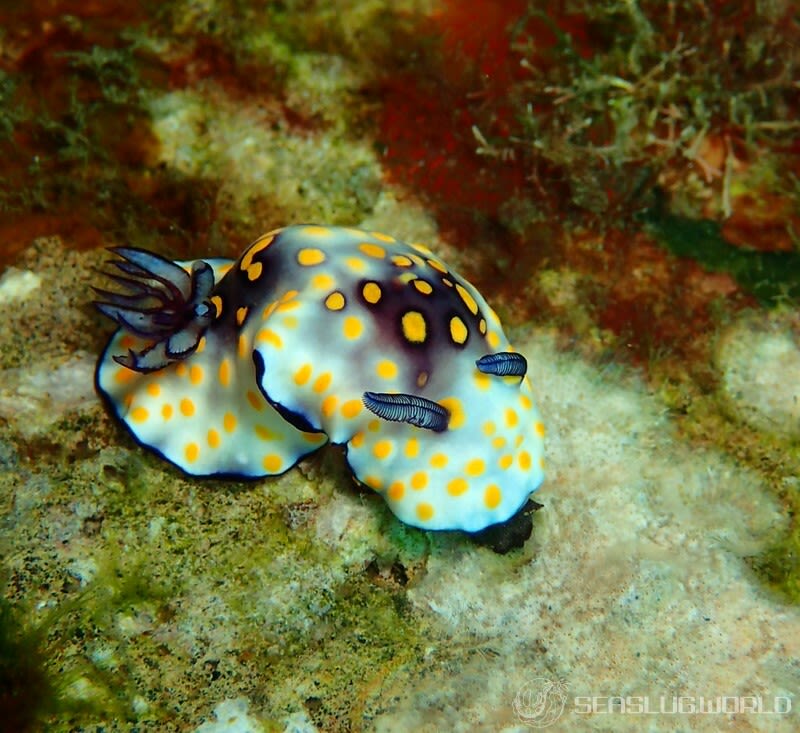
column 299, row 603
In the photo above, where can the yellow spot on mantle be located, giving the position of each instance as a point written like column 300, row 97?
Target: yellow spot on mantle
column 457, row 486
column 350, row 409
column 352, row 327
column 414, row 327
column 310, row 256
column 269, row 310
column 328, row 406
column 371, row 292
column 229, row 422
column 260, row 244
column 382, row 449
column 254, row 271
column 290, row 306
column 456, row 410
column 372, row 250
column 263, row 432
column 466, row 296
column 423, row 286
column 322, row 382
column 322, row 282
column 335, row 301
column 511, row 418
column 386, row 369
column 139, row 414
column 422, row 248
column 256, row 400
column 458, row 331
column 315, row 231
column 269, row 336
column 302, row 375
column 355, row 263
column 225, row 372
column 124, row 375
column 272, row 463
column 492, row 496
column 192, row 452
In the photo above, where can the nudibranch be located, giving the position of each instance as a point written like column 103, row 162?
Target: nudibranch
column 316, row 334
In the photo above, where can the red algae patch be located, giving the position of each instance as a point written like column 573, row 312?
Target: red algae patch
column 428, row 114
column 516, row 125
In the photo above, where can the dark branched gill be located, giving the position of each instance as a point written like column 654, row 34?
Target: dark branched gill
column 166, row 306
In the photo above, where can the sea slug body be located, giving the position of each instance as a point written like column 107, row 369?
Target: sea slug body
column 318, row 334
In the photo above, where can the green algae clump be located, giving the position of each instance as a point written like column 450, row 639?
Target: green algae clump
column 27, row 691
